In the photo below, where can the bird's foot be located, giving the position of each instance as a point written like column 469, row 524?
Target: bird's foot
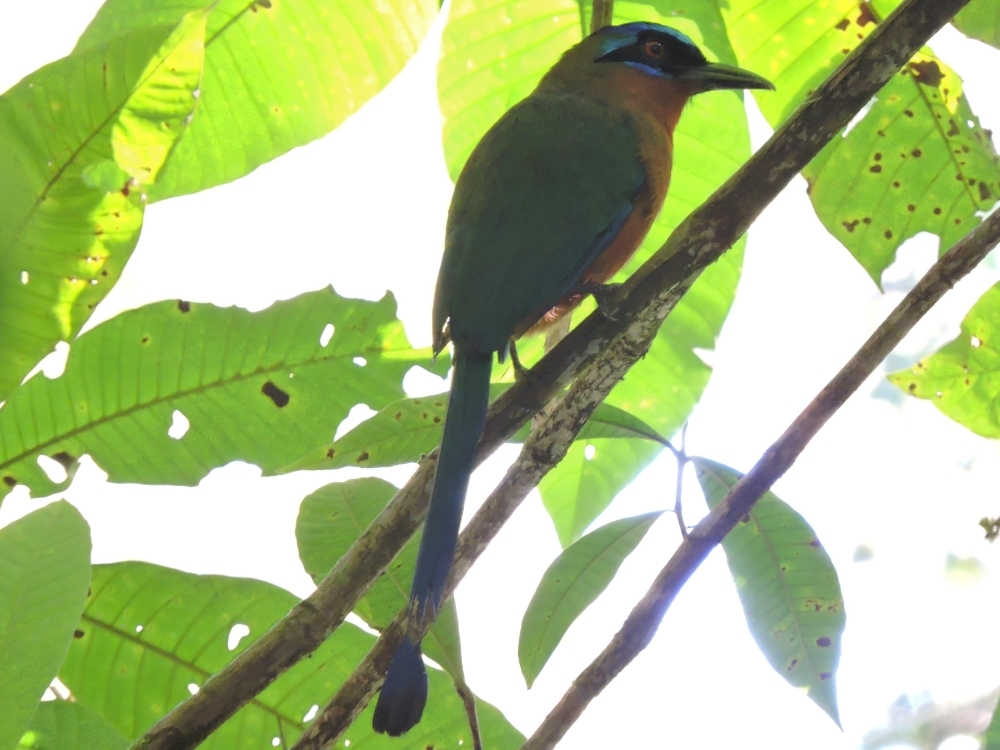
column 520, row 371
column 602, row 295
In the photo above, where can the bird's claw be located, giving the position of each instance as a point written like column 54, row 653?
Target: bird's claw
column 602, row 295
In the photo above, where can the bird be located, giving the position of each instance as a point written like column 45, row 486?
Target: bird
column 552, row 202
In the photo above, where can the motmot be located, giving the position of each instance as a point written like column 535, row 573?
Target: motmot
column 551, row 203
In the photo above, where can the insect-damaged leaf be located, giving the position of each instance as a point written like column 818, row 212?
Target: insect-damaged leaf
column 962, row 378
column 81, row 142
column 788, row 588
column 151, row 636
column 330, row 520
column 254, row 387
column 277, row 74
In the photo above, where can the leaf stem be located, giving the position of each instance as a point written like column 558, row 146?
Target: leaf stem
column 601, row 15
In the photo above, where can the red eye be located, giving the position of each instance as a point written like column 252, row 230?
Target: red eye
column 654, row 49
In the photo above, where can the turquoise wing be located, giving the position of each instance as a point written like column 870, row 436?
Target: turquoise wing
column 542, row 195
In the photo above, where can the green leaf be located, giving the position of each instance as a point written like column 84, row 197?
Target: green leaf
column 81, row 141
column 151, row 633
column 254, row 387
column 492, row 55
column 571, row 584
column 991, row 741
column 788, row 587
column 586, row 481
column 59, row 725
column 408, row 429
column 44, row 573
column 330, row 520
column 961, row 378
column 918, row 161
column 278, row 74
column 980, row 20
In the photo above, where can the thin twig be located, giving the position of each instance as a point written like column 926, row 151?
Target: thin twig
column 469, row 701
column 645, row 618
column 682, row 462
column 645, row 300
column 601, row 15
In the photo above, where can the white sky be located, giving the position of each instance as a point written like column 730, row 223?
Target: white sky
column 899, row 477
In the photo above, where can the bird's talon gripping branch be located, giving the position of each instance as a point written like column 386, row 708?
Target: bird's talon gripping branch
column 602, row 294
column 520, row 371
column 562, row 188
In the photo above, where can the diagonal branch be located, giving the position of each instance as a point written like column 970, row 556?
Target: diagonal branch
column 645, row 618
column 640, row 307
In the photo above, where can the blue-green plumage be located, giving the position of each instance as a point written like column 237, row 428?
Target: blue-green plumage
column 561, row 190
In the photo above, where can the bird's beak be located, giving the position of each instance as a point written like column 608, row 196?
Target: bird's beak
column 718, row 76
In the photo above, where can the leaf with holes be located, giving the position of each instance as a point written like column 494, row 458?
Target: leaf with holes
column 249, row 386
column 408, row 429
column 788, row 588
column 60, row 725
column 44, row 573
column 918, row 161
column 277, row 74
column 81, row 141
column 961, row 378
column 330, row 520
column 150, row 636
column 571, row 584
column 980, row 19
column 493, row 53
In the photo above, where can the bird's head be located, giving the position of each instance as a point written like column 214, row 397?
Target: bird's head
column 665, row 53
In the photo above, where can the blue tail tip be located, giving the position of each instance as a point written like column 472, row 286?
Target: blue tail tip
column 404, row 693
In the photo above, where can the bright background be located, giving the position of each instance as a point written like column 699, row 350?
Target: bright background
column 888, row 472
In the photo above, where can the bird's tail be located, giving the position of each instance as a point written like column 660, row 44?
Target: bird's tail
column 405, row 690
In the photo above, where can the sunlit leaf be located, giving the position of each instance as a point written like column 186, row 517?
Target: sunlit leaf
column 60, row 725
column 81, row 142
column 980, row 19
column 408, row 429
column 44, row 573
column 167, row 392
column 330, row 520
column 571, row 584
column 788, row 587
column 151, row 636
column 278, row 74
column 962, row 379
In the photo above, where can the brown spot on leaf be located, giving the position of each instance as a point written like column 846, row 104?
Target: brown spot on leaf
column 125, row 190
column 144, row 339
column 911, row 387
column 64, row 458
column 791, row 666
column 824, row 642
column 78, row 633
column 911, row 208
column 952, row 128
column 397, row 416
column 273, row 392
column 888, row 234
column 908, row 112
column 331, row 453
column 867, row 220
column 437, row 419
column 842, row 26
column 850, row 226
column 9, row 481
column 927, row 72
column 896, row 184
column 866, row 16
column 878, row 157
column 876, row 169
column 183, row 305
column 825, row 675
column 984, row 192
column 917, row 153
column 937, row 210
column 363, row 457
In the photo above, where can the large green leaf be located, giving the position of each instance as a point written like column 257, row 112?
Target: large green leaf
column 919, row 161
column 60, row 725
column 278, row 74
column 330, row 520
column 44, row 573
column 150, row 636
column 493, row 53
column 81, row 142
column 980, row 19
column 962, row 379
column 408, row 429
column 258, row 387
column 916, row 161
column 788, row 587
column 571, row 584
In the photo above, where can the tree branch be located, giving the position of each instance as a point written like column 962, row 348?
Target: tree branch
column 645, row 618
column 601, row 15
column 640, row 307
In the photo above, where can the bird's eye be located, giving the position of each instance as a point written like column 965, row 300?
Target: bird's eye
column 655, row 49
